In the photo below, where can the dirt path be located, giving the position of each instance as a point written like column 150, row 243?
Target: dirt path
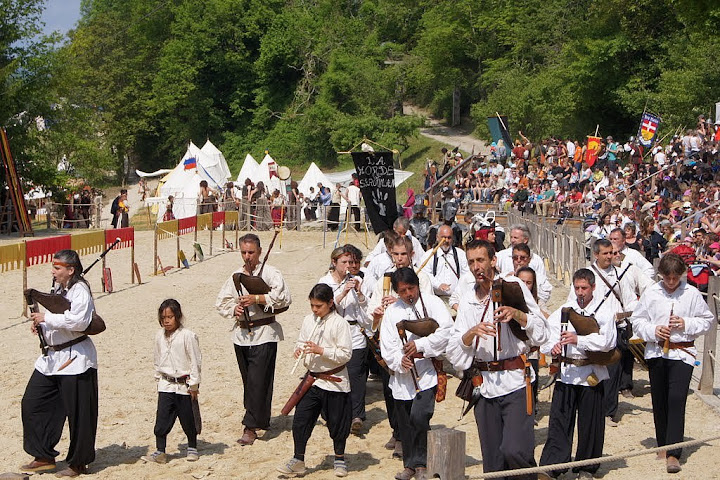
column 461, row 136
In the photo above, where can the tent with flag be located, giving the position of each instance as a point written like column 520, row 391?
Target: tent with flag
column 184, row 183
column 267, row 173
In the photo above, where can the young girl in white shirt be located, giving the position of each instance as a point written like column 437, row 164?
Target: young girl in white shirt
column 177, row 371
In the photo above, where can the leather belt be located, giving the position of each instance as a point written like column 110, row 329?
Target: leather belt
column 578, row 362
column 170, row 379
column 65, row 345
column 329, row 374
column 682, row 344
column 514, row 363
column 256, row 323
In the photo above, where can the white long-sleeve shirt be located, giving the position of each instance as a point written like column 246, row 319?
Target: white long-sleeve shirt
column 433, row 345
column 333, row 335
column 177, row 355
column 351, row 310
column 443, row 268
column 653, row 309
column 637, row 259
column 625, row 289
column 59, row 328
column 277, row 297
column 603, row 341
column 470, row 313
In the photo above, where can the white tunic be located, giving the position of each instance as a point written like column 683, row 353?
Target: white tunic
column 277, row 297
column 470, row 313
column 177, row 355
column 637, row 259
column 653, row 309
column 377, row 294
column 351, row 310
column 391, row 347
column 333, row 334
column 446, row 271
column 625, row 289
column 603, row 341
column 63, row 327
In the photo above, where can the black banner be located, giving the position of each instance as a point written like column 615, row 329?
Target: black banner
column 377, row 183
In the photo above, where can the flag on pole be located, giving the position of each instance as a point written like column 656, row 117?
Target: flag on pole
column 376, row 175
column 647, row 133
column 593, row 147
column 190, row 163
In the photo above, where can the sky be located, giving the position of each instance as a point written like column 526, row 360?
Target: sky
column 60, row 15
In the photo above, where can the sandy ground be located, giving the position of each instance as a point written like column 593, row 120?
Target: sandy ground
column 128, row 395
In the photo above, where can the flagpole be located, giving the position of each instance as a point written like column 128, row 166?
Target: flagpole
column 597, row 128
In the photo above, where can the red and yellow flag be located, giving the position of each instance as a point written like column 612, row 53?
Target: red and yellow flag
column 593, row 148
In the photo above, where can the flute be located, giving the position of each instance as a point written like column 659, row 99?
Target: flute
column 302, row 354
column 496, row 296
column 666, row 345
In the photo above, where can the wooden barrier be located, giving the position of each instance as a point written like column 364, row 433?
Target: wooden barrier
column 707, row 375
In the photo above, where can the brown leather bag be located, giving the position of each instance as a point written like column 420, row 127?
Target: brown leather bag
column 55, row 303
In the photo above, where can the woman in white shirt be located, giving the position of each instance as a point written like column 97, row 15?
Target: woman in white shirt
column 669, row 316
column 64, row 383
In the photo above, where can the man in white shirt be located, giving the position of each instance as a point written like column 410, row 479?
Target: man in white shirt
column 621, row 300
column 255, row 334
column 519, row 233
column 578, row 390
column 504, row 418
column 617, row 238
column 402, row 227
column 446, row 265
column 415, row 379
column 353, row 198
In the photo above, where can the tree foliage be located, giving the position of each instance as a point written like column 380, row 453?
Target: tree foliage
column 138, row 79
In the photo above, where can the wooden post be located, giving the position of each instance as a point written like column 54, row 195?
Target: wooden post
column 155, row 262
column 48, row 209
column 707, row 376
column 224, row 227
column 211, row 232
column 132, row 263
column 237, row 231
column 446, row 454
column 177, row 248
column 24, row 260
column 104, row 287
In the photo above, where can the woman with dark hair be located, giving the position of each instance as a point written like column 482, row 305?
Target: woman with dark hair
column 64, row 383
column 653, row 241
column 325, row 345
column 669, row 316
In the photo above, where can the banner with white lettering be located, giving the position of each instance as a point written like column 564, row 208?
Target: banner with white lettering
column 376, row 174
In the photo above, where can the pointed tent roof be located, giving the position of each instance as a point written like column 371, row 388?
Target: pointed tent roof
column 262, row 174
column 248, row 169
column 184, row 184
column 312, row 177
column 217, row 158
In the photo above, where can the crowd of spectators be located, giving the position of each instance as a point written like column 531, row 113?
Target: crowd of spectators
column 649, row 193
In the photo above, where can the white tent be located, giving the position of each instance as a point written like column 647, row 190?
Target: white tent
column 262, row 174
column 248, row 169
column 217, row 159
column 312, row 177
column 344, row 177
column 184, row 184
